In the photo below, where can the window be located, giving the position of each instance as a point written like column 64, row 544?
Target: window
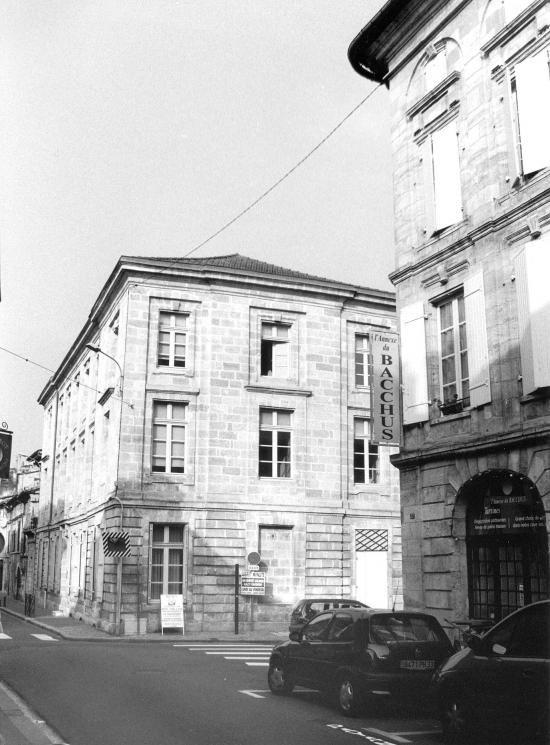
column 366, row 469
column 274, row 455
column 530, row 85
column 453, row 351
column 275, row 348
column 363, row 360
column 168, row 452
column 445, row 206
column 166, row 573
column 172, row 339
column 316, row 629
column 435, row 70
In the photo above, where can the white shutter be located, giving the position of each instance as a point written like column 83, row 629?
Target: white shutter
column 413, row 364
column 281, row 360
column 476, row 335
column 533, row 94
column 532, row 268
column 446, row 169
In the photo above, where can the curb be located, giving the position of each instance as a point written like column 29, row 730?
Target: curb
column 136, row 638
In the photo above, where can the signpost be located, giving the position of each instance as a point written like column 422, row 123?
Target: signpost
column 171, row 612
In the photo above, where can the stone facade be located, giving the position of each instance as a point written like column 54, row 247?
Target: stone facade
column 167, row 449
column 472, row 217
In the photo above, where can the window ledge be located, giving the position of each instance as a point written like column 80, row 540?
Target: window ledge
column 510, row 29
column 451, row 417
column 278, row 389
column 434, row 95
column 537, row 395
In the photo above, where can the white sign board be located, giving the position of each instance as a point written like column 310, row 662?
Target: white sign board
column 385, row 388
column 171, row 612
column 253, row 583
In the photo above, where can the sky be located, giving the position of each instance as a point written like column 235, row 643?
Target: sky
column 141, row 127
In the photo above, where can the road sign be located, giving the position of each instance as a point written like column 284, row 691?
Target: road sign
column 253, row 557
column 253, row 583
column 116, row 543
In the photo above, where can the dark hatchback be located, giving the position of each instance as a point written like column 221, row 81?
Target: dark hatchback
column 360, row 654
column 501, row 685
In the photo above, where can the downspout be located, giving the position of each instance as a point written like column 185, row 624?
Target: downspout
column 52, row 481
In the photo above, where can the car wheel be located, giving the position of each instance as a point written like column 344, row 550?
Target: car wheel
column 348, row 696
column 454, row 717
column 278, row 680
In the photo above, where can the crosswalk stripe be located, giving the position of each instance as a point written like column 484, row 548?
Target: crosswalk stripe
column 202, row 647
column 263, row 652
column 44, row 637
column 257, row 664
column 246, row 658
column 4, row 636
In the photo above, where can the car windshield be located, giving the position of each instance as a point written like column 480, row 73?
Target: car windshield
column 389, row 627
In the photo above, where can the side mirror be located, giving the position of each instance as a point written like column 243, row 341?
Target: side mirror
column 498, row 649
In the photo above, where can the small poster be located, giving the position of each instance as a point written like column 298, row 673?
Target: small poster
column 171, row 612
column 253, row 583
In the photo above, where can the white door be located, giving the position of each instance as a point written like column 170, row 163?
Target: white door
column 371, row 567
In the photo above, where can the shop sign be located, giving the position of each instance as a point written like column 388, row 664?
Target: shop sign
column 507, row 514
column 386, row 423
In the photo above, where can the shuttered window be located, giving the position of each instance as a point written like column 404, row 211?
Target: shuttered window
column 413, row 364
column 476, row 329
column 446, row 177
column 532, row 268
column 275, row 350
column 531, row 90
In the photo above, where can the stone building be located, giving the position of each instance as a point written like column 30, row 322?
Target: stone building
column 469, row 87
column 209, row 409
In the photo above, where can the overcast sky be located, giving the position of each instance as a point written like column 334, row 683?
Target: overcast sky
column 140, row 127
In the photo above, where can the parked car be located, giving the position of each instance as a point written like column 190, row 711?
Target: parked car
column 358, row 654
column 502, row 682
column 309, row 607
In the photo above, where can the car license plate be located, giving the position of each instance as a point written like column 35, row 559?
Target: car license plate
column 417, row 664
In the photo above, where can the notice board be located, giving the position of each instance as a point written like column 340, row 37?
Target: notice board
column 171, row 612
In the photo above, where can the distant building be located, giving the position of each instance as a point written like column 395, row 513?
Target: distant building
column 227, row 413
column 469, row 86
column 18, row 502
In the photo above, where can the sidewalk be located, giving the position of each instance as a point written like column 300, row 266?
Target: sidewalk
column 68, row 627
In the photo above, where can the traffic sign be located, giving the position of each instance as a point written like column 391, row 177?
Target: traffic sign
column 253, row 583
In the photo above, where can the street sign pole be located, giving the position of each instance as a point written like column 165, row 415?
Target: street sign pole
column 236, row 598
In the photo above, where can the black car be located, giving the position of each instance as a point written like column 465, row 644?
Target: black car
column 306, row 608
column 359, row 654
column 501, row 684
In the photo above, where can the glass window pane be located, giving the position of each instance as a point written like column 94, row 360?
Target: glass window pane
column 447, row 343
column 178, row 450
column 159, row 410
column 156, row 591
column 283, row 419
column 158, row 536
column 178, row 466
column 266, row 417
column 266, row 453
column 462, row 333
column 175, row 533
column 282, row 332
column 266, row 468
column 446, row 315
column 268, row 330
column 448, row 369
column 159, row 431
column 283, row 470
column 178, row 412
column 283, row 439
column 266, row 437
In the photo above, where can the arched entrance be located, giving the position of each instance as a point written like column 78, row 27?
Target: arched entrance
column 507, row 544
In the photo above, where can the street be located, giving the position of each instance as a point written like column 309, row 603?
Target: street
column 144, row 693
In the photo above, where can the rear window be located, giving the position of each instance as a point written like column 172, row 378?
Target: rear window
column 388, row 627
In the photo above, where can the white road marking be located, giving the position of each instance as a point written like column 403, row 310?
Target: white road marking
column 44, row 637
column 4, row 636
column 240, row 651
column 370, row 738
column 393, row 735
column 228, row 644
column 254, row 693
column 258, row 664
column 248, row 657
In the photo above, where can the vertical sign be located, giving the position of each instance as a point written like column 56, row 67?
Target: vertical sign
column 385, row 388
column 5, row 453
column 171, row 612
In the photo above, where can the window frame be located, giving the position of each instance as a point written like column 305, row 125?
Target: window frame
column 275, row 429
column 371, row 453
column 166, row 546
column 169, row 422
column 365, row 363
column 174, row 330
column 455, row 300
column 268, row 347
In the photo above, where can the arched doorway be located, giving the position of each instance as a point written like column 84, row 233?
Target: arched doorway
column 507, row 544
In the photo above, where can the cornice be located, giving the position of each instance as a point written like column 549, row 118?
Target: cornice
column 512, row 28
column 483, row 445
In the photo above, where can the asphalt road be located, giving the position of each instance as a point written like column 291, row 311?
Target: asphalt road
column 157, row 693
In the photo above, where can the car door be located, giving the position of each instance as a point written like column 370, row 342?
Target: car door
column 308, row 650
column 334, row 650
column 512, row 669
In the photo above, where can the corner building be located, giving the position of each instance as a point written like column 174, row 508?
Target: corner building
column 227, row 412
column 469, row 85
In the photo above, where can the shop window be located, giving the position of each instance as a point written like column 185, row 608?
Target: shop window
column 166, row 560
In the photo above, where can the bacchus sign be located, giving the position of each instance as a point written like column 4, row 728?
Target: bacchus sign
column 385, row 388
